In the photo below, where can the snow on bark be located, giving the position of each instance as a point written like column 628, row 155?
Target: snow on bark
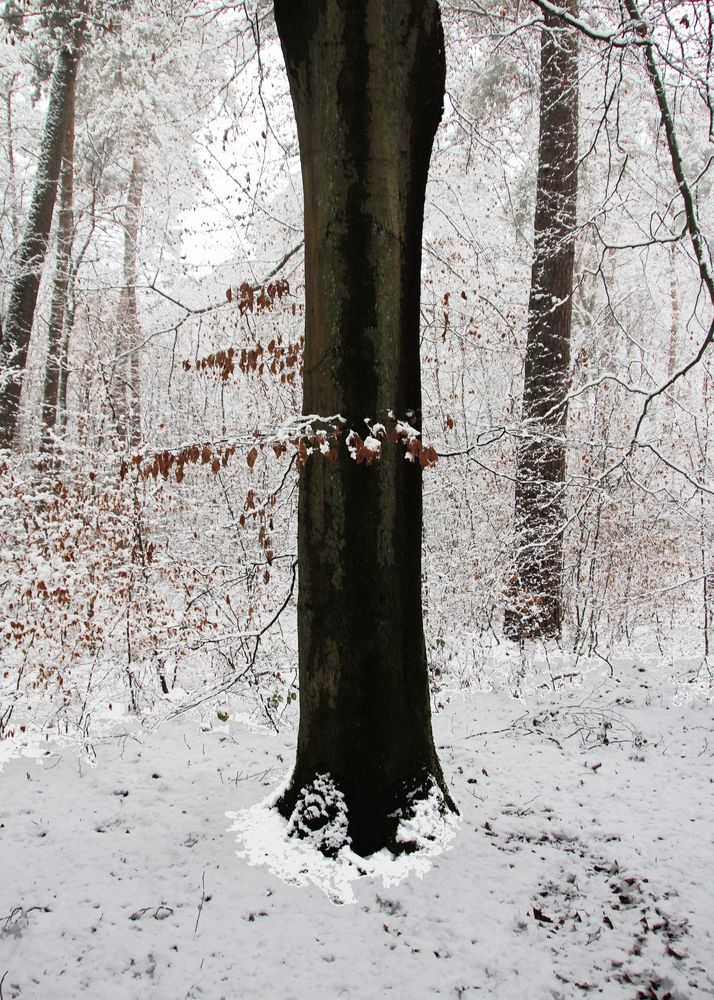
column 33, row 248
column 535, row 610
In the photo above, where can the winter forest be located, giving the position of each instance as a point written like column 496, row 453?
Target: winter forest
column 356, row 499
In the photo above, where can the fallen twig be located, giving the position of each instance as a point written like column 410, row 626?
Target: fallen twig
column 203, row 900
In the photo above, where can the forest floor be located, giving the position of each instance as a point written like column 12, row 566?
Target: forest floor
column 581, row 863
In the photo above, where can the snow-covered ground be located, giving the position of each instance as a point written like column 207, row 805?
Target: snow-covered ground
column 581, row 864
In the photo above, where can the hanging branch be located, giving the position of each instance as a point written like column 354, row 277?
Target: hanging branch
column 690, row 211
column 643, row 39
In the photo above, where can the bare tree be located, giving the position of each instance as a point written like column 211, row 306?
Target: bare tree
column 536, row 607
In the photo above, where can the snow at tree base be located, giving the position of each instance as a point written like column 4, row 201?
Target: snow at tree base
column 356, row 522
column 149, row 865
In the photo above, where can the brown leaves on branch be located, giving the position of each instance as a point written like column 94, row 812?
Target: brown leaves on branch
column 259, row 511
column 364, row 453
column 250, row 299
column 426, row 455
column 325, row 441
column 277, row 358
column 163, row 462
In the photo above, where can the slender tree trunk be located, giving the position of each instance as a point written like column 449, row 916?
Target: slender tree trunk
column 12, row 188
column 129, row 331
column 33, row 248
column 674, row 326
column 65, row 237
column 367, row 82
column 705, row 534
column 69, row 317
column 673, row 352
column 536, row 607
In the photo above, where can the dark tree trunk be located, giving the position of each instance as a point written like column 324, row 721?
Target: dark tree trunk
column 128, row 400
column 65, row 238
column 367, row 82
column 536, row 607
column 33, row 248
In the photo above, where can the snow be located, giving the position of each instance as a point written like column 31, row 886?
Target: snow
column 429, row 826
column 148, row 862
column 372, row 444
column 266, row 839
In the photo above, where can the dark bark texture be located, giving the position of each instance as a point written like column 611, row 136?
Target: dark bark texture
column 536, row 606
column 33, row 248
column 63, row 264
column 367, row 82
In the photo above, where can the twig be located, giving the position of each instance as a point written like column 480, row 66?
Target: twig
column 200, row 905
column 223, row 688
column 212, row 306
column 282, row 263
column 494, row 732
column 605, row 660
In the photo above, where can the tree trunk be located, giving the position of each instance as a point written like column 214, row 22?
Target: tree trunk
column 69, row 318
column 65, row 238
column 128, row 405
column 536, row 607
column 70, row 313
column 11, row 196
column 367, row 83
column 33, row 248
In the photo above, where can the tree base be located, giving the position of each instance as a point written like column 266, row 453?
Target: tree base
column 402, row 820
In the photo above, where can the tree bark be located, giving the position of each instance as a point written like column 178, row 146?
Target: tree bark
column 10, row 152
column 128, row 405
column 367, row 83
column 536, row 606
column 65, row 238
column 69, row 318
column 33, row 248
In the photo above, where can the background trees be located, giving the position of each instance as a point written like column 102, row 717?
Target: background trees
column 33, row 248
column 63, row 265
column 212, row 262
column 537, row 608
